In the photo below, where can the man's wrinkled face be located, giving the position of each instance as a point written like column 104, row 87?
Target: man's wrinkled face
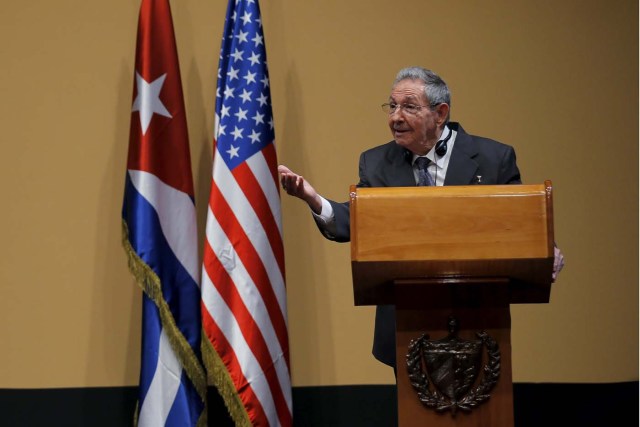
column 415, row 129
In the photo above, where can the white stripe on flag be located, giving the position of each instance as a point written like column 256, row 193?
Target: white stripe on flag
column 251, row 225
column 163, row 388
column 250, row 296
column 177, row 215
column 260, row 168
column 230, row 328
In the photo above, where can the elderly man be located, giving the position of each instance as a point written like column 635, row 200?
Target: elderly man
column 427, row 149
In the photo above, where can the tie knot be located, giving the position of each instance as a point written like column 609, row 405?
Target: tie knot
column 424, row 178
column 422, row 163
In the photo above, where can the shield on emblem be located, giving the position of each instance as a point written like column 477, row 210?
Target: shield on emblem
column 453, row 365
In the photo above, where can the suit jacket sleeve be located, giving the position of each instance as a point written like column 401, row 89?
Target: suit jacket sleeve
column 341, row 211
column 509, row 172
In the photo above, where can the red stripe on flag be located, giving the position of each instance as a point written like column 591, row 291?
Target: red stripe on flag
column 251, row 260
column 224, row 349
column 251, row 189
column 251, row 331
column 269, row 153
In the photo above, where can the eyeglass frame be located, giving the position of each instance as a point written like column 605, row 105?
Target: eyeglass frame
column 403, row 107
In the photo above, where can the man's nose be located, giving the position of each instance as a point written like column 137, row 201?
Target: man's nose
column 397, row 115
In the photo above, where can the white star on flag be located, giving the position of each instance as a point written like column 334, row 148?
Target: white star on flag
column 148, row 100
column 241, row 114
column 255, row 58
column 258, row 118
column 242, row 36
column 255, row 136
column 233, row 152
column 237, row 133
column 250, row 77
column 246, row 96
column 246, row 18
column 237, row 55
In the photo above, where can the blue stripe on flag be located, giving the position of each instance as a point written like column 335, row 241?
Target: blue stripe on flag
column 180, row 410
column 148, row 241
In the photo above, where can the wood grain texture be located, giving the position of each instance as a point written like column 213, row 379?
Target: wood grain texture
column 458, row 231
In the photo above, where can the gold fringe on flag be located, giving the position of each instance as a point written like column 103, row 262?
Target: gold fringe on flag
column 149, row 281
column 218, row 375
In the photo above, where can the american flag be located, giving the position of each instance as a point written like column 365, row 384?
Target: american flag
column 244, row 308
column 159, row 231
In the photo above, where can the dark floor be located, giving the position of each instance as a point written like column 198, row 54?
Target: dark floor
column 535, row 405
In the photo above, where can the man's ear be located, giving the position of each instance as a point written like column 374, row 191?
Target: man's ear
column 443, row 112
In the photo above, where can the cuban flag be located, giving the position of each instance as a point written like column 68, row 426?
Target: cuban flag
column 159, row 231
column 244, row 309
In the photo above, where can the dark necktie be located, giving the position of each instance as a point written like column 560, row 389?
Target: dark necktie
column 424, row 178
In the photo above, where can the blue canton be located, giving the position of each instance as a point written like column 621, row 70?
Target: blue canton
column 243, row 104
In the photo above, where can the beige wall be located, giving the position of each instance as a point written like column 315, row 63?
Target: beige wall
column 558, row 80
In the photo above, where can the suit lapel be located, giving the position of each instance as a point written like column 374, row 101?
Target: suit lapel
column 462, row 167
column 400, row 172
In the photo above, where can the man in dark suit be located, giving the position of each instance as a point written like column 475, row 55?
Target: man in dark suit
column 418, row 109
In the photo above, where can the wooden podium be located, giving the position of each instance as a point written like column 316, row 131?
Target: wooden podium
column 455, row 255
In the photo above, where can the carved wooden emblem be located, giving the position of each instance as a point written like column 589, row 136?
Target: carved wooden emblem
column 453, row 366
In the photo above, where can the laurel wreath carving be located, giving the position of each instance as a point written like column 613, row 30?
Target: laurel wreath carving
column 433, row 398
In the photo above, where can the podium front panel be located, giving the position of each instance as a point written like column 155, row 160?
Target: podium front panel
column 451, row 231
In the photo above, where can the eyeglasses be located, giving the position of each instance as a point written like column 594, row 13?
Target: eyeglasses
column 412, row 109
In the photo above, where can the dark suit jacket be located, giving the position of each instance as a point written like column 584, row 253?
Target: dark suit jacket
column 389, row 165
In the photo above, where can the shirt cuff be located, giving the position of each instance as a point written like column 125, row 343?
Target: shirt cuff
column 326, row 215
